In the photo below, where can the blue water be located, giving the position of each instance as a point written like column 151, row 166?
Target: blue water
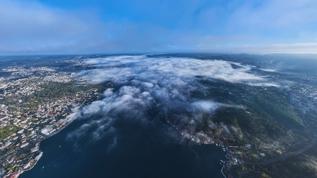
column 137, row 150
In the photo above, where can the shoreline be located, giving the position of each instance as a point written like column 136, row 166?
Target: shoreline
column 70, row 118
column 222, row 168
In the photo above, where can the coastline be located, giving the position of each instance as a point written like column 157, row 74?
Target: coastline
column 222, row 168
column 37, row 158
column 68, row 120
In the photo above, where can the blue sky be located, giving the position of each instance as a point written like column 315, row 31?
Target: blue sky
column 114, row 26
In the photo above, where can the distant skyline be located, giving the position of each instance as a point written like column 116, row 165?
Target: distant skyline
column 157, row 26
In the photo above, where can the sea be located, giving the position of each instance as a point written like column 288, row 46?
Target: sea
column 139, row 150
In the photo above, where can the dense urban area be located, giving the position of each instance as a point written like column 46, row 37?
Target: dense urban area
column 36, row 102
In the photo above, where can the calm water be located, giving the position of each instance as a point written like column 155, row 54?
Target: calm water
column 136, row 150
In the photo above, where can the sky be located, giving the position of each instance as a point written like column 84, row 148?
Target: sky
column 155, row 26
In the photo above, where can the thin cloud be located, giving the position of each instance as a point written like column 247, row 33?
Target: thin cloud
column 30, row 27
column 193, row 26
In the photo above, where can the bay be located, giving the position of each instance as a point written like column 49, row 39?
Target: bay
column 135, row 150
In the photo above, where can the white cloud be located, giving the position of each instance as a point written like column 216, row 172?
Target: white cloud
column 121, row 68
column 275, row 15
column 278, row 26
column 271, row 26
column 30, row 27
column 162, row 84
column 206, row 106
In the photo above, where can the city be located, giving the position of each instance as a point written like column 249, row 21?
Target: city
column 32, row 109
